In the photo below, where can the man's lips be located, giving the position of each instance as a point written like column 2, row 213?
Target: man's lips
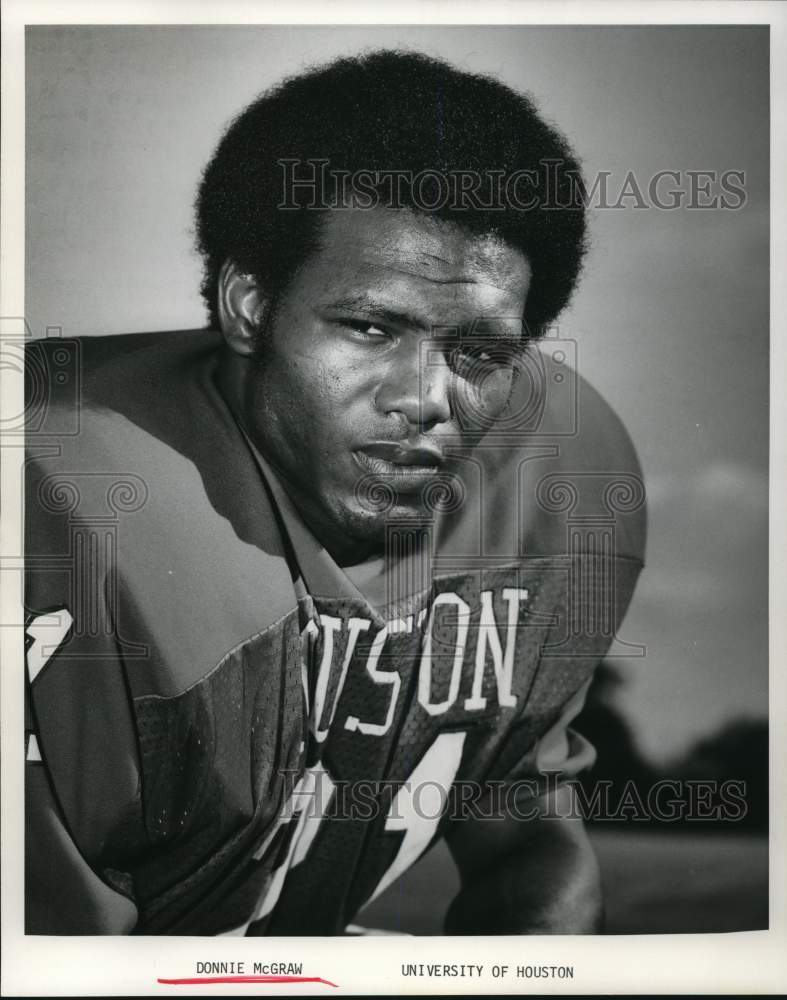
column 400, row 454
column 409, row 468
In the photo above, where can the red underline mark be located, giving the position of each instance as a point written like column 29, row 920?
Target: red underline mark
column 245, row 979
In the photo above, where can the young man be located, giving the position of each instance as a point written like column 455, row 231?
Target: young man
column 327, row 581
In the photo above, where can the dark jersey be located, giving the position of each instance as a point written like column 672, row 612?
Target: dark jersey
column 229, row 733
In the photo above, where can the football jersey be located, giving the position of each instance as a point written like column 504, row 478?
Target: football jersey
column 229, row 733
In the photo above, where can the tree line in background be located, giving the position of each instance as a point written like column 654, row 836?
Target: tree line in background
column 720, row 782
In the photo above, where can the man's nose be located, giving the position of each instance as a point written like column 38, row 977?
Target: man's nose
column 419, row 387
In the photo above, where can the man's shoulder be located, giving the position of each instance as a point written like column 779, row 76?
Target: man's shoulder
column 72, row 372
column 144, row 408
column 566, row 458
column 148, row 451
column 105, row 348
column 88, row 393
column 598, row 439
column 596, row 477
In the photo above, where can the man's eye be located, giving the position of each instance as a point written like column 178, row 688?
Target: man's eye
column 479, row 361
column 367, row 331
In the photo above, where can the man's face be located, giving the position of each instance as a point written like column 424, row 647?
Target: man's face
column 363, row 377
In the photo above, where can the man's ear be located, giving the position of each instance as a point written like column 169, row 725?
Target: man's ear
column 242, row 309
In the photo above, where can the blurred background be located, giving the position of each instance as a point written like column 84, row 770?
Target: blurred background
column 671, row 321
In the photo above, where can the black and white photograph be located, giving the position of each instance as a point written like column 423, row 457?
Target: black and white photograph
column 386, row 554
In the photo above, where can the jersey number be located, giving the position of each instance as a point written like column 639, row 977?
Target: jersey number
column 415, row 811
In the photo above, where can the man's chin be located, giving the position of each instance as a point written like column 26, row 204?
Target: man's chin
column 401, row 510
column 370, row 529
column 380, row 499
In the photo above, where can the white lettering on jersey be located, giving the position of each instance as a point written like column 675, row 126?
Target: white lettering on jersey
column 330, row 626
column 425, row 669
column 309, row 636
column 305, row 808
column 420, row 802
column 489, row 645
column 47, row 632
column 381, row 677
column 489, row 638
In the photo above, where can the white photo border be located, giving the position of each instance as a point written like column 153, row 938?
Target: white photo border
column 750, row 962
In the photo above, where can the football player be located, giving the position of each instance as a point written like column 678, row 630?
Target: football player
column 327, row 581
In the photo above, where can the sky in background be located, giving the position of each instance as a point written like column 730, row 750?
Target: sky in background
column 671, row 318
